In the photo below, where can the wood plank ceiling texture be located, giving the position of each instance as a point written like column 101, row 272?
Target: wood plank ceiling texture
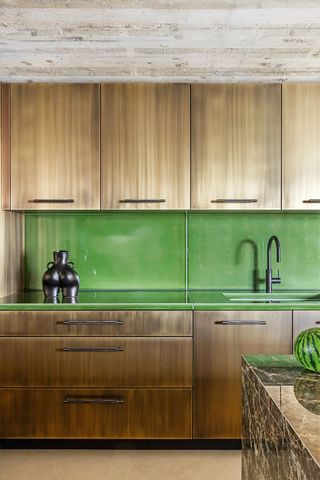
column 159, row 40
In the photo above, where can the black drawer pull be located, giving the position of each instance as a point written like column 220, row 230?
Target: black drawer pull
column 143, row 200
column 235, row 200
column 312, row 200
column 91, row 349
column 52, row 200
column 90, row 322
column 102, row 400
column 317, row 322
column 240, row 322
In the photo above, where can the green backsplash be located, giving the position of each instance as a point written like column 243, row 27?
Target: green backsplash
column 229, row 250
column 110, row 250
column 147, row 250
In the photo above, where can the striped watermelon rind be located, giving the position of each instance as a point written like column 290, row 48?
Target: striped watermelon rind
column 307, row 349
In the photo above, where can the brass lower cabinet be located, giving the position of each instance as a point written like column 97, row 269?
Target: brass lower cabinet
column 220, row 338
column 117, row 362
column 96, row 323
column 93, row 413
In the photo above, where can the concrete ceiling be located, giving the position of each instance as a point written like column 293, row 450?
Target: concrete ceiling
column 159, row 40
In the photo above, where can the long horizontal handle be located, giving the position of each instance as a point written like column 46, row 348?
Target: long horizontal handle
column 90, row 322
column 311, row 200
column 52, row 200
column 235, row 200
column 91, row 349
column 142, row 200
column 101, row 400
column 240, row 322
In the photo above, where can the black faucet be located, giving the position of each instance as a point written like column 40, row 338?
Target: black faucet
column 269, row 278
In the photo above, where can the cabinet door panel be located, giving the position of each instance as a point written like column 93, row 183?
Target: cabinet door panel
column 304, row 320
column 235, row 147
column 96, row 323
column 70, row 413
column 145, row 146
column 301, row 147
column 95, row 361
column 218, row 349
column 55, row 149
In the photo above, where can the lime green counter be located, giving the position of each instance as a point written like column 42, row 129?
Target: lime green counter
column 168, row 300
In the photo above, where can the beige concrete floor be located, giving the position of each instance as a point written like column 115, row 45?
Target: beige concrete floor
column 119, row 465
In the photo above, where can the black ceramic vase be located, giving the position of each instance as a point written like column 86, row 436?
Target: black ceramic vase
column 51, row 278
column 60, row 274
column 69, row 279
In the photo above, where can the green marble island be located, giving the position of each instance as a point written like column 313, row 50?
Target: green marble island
column 281, row 419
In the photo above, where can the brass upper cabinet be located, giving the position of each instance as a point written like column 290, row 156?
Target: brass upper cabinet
column 236, row 146
column 145, row 146
column 301, row 146
column 55, row 153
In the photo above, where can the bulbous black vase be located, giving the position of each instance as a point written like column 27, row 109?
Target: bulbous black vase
column 69, row 279
column 61, row 274
column 51, row 278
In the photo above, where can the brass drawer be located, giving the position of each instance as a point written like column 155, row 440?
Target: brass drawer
column 69, row 413
column 95, row 362
column 100, row 323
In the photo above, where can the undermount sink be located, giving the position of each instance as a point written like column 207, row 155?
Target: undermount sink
column 276, row 297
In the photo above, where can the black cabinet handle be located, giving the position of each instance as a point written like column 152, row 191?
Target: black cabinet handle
column 240, row 322
column 101, row 400
column 235, row 200
column 312, row 200
column 90, row 322
column 52, row 200
column 91, row 349
column 143, row 200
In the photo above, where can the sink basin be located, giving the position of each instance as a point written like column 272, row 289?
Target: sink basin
column 276, row 297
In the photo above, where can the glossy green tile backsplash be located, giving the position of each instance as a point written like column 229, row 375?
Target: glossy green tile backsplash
column 110, row 250
column 147, row 250
column 229, row 250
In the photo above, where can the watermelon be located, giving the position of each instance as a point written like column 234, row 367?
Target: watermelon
column 307, row 349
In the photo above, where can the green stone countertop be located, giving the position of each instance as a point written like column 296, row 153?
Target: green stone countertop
column 102, row 300
column 168, row 300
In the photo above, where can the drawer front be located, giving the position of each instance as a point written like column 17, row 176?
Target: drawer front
column 100, row 323
column 94, row 362
column 95, row 414
column 302, row 320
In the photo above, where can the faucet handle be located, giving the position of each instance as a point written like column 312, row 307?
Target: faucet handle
column 276, row 279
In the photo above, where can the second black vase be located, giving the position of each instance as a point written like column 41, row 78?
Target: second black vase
column 69, row 279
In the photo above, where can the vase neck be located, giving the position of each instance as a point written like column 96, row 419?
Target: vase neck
column 62, row 257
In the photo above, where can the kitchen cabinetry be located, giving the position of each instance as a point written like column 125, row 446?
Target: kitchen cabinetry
column 235, row 147
column 303, row 320
column 301, row 146
column 145, row 146
column 220, row 338
column 96, row 374
column 55, row 146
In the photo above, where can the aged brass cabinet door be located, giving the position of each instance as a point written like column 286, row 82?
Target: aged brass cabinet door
column 145, row 146
column 55, row 157
column 235, row 146
column 220, row 340
column 303, row 320
column 301, row 147
column 96, row 374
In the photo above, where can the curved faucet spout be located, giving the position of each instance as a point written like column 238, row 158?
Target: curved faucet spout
column 275, row 239
column 270, row 280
